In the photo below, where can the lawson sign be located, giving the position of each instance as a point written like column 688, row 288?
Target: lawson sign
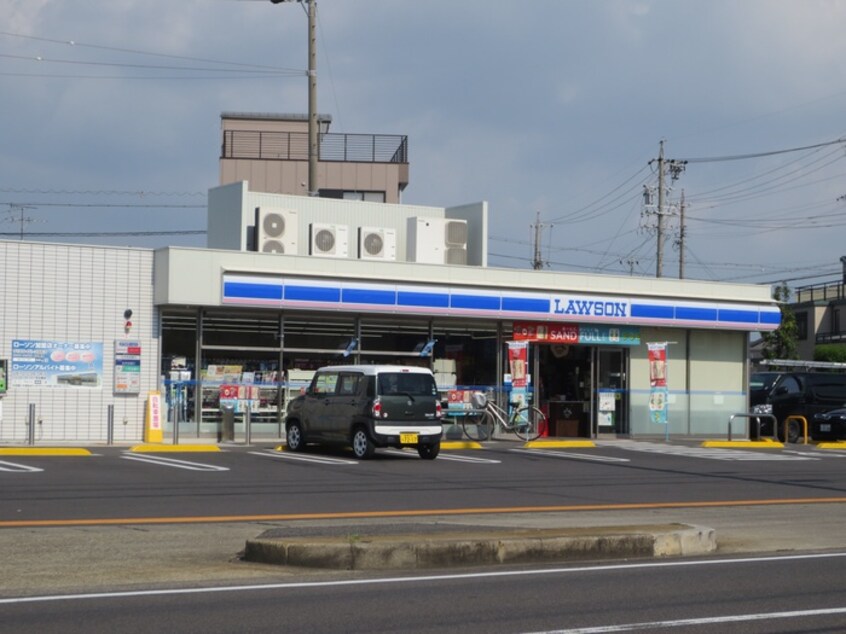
column 587, row 307
column 271, row 291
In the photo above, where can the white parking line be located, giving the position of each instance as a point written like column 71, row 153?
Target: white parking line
column 441, row 456
column 17, row 468
column 705, row 452
column 287, row 455
column 565, row 454
column 815, row 455
column 172, row 462
column 463, row 458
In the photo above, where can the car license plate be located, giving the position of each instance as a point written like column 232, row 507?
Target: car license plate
column 408, row 439
column 825, row 427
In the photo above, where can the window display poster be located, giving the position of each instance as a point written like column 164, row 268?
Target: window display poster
column 518, row 361
column 658, row 393
column 2, row 375
column 65, row 364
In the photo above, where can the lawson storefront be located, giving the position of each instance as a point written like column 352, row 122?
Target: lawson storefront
column 600, row 354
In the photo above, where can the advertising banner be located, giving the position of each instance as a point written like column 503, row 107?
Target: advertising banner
column 518, row 362
column 658, row 392
column 571, row 334
column 67, row 364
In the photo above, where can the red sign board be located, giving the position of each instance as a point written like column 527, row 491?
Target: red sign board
column 551, row 333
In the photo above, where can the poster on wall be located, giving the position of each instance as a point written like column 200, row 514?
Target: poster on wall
column 64, row 364
column 2, row 376
column 658, row 393
column 127, row 367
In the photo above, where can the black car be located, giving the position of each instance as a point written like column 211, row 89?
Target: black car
column 760, row 385
column 804, row 394
column 829, row 425
column 368, row 406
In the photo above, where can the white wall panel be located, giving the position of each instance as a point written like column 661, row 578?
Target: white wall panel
column 76, row 293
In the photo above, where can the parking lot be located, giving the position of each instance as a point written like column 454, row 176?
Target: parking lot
column 230, row 482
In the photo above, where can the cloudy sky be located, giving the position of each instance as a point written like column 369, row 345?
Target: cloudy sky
column 544, row 108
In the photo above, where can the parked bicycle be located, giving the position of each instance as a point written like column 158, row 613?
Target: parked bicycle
column 526, row 422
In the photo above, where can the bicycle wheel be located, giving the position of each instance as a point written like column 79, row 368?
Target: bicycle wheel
column 527, row 422
column 477, row 425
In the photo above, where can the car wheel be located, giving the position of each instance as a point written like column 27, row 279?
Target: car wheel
column 294, row 438
column 429, row 452
column 363, row 447
column 794, row 431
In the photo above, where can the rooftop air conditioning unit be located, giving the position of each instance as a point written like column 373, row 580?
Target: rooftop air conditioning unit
column 455, row 242
column 328, row 240
column 376, row 243
column 437, row 240
column 276, row 230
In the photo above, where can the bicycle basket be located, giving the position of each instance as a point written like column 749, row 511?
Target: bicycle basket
column 479, row 400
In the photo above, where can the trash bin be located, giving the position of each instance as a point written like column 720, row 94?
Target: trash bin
column 227, row 422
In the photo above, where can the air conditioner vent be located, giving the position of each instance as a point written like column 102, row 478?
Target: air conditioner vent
column 437, row 240
column 328, row 240
column 373, row 244
column 456, row 233
column 376, row 243
column 456, row 255
column 276, row 230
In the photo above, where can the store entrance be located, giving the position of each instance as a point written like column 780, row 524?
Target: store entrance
column 583, row 389
column 565, row 388
column 611, row 391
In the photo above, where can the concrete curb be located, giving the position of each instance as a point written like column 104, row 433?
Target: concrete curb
column 742, row 444
column 425, row 551
column 44, row 451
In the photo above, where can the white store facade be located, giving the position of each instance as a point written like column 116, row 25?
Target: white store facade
column 232, row 326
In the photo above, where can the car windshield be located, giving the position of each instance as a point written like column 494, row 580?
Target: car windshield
column 762, row 380
column 407, row 383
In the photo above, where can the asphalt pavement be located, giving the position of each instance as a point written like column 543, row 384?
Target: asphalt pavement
column 90, row 559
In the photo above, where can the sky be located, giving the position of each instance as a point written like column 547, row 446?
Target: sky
column 552, row 111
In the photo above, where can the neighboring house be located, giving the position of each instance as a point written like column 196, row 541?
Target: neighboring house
column 270, row 152
column 820, row 310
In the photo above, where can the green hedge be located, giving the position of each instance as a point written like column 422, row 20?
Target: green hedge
column 830, row 352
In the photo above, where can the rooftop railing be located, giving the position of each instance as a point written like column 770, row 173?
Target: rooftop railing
column 821, row 292
column 293, row 146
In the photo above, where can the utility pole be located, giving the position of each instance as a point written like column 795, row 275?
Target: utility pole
column 681, row 236
column 674, row 168
column 313, row 147
column 660, row 253
column 537, row 262
column 15, row 208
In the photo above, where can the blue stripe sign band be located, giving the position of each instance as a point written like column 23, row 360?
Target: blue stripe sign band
column 277, row 292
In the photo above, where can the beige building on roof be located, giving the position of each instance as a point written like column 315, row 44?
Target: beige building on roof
column 270, row 151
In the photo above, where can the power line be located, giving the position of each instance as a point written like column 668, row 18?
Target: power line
column 741, row 157
column 111, row 205
column 150, row 53
column 100, row 234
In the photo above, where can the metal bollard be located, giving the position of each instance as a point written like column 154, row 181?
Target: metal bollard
column 110, row 425
column 247, row 423
column 30, row 430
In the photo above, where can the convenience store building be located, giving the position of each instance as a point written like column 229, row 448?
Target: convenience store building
column 291, row 283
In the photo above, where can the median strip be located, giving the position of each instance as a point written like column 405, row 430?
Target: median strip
column 475, row 547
